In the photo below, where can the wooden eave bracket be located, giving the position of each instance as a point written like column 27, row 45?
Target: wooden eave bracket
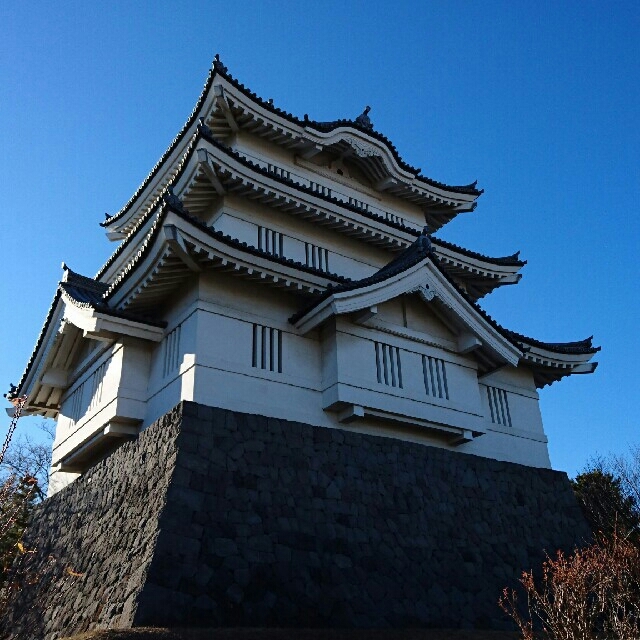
column 585, row 367
column 58, row 378
column 467, row 342
column 203, row 158
column 386, row 183
column 304, row 147
column 176, row 242
column 365, row 315
column 221, row 101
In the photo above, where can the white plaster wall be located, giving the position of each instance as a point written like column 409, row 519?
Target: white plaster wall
column 347, row 257
column 318, row 169
column 70, row 433
column 166, row 389
column 121, row 396
column 322, row 372
column 217, row 370
column 354, row 350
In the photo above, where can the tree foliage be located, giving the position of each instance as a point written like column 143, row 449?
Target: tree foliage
column 24, row 465
column 609, row 508
column 30, row 456
column 17, row 499
column 595, row 591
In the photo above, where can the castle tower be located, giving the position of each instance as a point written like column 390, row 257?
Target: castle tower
column 279, row 267
column 356, row 441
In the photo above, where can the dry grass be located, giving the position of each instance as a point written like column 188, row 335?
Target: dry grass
column 293, row 634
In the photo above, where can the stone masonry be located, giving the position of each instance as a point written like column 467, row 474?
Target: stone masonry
column 219, row 518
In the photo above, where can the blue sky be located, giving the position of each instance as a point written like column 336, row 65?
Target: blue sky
column 537, row 101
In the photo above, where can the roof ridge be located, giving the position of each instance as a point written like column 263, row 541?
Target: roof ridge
column 325, row 127
column 217, row 68
column 75, row 279
column 512, row 260
column 169, row 204
column 575, row 346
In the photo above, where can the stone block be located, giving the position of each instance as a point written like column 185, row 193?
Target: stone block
column 336, row 527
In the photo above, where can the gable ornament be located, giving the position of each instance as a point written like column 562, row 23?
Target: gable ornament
column 425, row 292
column 362, row 149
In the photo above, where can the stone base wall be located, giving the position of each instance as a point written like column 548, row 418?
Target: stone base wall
column 222, row 518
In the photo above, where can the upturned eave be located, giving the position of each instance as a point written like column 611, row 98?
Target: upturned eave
column 225, row 107
column 424, row 279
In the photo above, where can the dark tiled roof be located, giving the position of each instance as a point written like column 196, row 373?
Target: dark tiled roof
column 512, row 261
column 415, row 253
column 90, row 294
column 226, row 239
column 83, row 292
column 291, row 182
column 15, row 391
column 518, row 340
column 570, row 348
column 234, row 242
column 202, row 134
column 174, row 143
column 326, row 127
column 219, row 69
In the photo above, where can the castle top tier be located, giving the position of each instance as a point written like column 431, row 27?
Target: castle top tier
column 226, row 109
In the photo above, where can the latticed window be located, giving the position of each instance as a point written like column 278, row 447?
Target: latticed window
column 316, row 257
column 435, row 377
column 267, row 348
column 75, row 405
column 97, row 380
column 271, row 241
column 171, row 351
column 388, row 365
column 499, row 406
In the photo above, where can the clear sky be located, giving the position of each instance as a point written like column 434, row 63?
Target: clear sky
column 540, row 102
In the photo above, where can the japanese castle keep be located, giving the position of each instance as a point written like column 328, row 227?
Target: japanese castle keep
column 279, row 401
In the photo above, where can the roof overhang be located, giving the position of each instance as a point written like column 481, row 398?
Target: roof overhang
column 549, row 366
column 226, row 107
column 427, row 281
column 48, row 372
column 178, row 245
column 478, row 274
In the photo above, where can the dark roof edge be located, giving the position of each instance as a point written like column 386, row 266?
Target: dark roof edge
column 218, row 68
column 511, row 261
column 98, row 305
column 577, row 347
column 16, row 391
column 229, row 241
column 174, row 143
column 407, row 259
column 327, row 127
column 290, row 182
column 140, row 224
column 76, row 281
column 516, row 339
